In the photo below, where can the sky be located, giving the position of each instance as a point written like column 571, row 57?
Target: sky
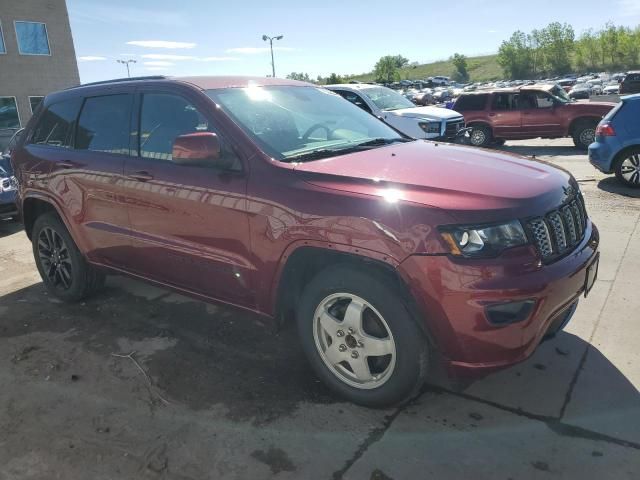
column 211, row 37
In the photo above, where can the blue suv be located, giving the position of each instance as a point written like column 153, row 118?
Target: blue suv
column 617, row 145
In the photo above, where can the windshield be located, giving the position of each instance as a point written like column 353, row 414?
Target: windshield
column 387, row 99
column 559, row 94
column 288, row 121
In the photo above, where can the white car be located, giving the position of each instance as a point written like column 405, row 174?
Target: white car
column 611, row 89
column 432, row 123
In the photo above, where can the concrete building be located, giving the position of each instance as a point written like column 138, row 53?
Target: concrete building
column 36, row 57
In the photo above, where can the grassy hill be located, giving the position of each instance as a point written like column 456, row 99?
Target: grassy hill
column 480, row 69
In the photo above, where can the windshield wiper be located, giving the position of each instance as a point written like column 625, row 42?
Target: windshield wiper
column 331, row 152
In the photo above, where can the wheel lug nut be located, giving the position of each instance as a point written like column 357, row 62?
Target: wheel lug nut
column 342, row 347
column 360, row 344
column 340, row 333
column 351, row 331
column 354, row 354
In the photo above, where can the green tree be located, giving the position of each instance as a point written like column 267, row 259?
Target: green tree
column 303, row 77
column 557, row 42
column 460, row 62
column 386, row 70
column 514, row 56
column 333, row 78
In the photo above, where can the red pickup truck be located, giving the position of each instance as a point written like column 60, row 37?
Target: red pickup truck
column 530, row 111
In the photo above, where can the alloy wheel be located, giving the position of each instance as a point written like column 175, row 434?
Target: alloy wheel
column 55, row 259
column 587, row 136
column 478, row 137
column 354, row 341
column 630, row 169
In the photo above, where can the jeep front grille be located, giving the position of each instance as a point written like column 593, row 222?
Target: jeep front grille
column 560, row 230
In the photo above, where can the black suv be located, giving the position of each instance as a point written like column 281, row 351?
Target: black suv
column 631, row 83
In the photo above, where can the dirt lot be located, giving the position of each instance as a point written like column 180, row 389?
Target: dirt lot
column 143, row 383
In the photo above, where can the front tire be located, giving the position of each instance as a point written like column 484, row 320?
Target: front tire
column 480, row 136
column 360, row 338
column 627, row 168
column 63, row 269
column 584, row 134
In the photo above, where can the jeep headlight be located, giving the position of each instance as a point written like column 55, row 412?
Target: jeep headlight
column 430, row 127
column 483, row 241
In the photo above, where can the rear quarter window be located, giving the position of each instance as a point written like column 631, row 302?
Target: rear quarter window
column 55, row 125
column 468, row 103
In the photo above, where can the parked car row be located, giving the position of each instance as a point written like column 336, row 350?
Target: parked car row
column 282, row 198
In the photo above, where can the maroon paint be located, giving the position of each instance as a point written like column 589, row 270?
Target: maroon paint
column 227, row 235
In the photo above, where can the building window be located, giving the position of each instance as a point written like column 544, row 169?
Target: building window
column 2, row 47
column 34, row 102
column 32, row 38
column 9, row 113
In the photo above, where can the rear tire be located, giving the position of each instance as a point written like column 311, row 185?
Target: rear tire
column 627, row 168
column 480, row 136
column 336, row 345
column 64, row 270
column 584, row 134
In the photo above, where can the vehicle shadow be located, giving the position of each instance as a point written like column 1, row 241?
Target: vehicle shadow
column 612, row 185
column 537, row 150
column 224, row 356
column 9, row 227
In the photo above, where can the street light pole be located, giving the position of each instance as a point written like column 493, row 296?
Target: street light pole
column 126, row 63
column 271, row 39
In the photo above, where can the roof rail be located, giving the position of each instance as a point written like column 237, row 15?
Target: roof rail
column 118, row 80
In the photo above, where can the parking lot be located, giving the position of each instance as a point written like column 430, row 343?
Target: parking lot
column 140, row 382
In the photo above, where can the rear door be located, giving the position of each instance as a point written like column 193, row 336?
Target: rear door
column 189, row 223
column 540, row 116
column 504, row 115
column 85, row 141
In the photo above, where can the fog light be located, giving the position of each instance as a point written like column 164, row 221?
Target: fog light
column 511, row 312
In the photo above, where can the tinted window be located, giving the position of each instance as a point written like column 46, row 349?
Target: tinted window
column 165, row 117
column 34, row 102
column 2, row 47
column 9, row 113
column 470, row 102
column 103, row 125
column 32, row 38
column 354, row 98
column 503, row 101
column 530, row 100
column 55, row 125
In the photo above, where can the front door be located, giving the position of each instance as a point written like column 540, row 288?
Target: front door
column 540, row 117
column 189, row 223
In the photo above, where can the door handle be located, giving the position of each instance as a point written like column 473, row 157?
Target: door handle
column 141, row 176
column 492, row 114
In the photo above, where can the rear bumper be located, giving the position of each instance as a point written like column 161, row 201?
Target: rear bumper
column 601, row 155
column 453, row 297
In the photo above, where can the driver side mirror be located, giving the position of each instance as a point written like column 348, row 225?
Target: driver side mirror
column 198, row 148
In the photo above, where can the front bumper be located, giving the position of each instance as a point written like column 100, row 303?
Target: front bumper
column 453, row 296
column 8, row 205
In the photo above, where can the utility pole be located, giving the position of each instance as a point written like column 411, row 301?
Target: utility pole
column 126, row 63
column 271, row 39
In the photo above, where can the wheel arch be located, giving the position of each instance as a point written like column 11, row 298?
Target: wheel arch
column 578, row 120
column 306, row 261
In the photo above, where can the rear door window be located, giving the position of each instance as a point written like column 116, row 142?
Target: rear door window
column 469, row 103
column 55, row 126
column 104, row 124
column 503, row 101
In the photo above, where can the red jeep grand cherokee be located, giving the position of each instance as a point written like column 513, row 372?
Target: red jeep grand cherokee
column 280, row 197
column 530, row 111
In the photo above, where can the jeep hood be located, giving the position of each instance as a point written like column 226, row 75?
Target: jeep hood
column 463, row 180
column 428, row 113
